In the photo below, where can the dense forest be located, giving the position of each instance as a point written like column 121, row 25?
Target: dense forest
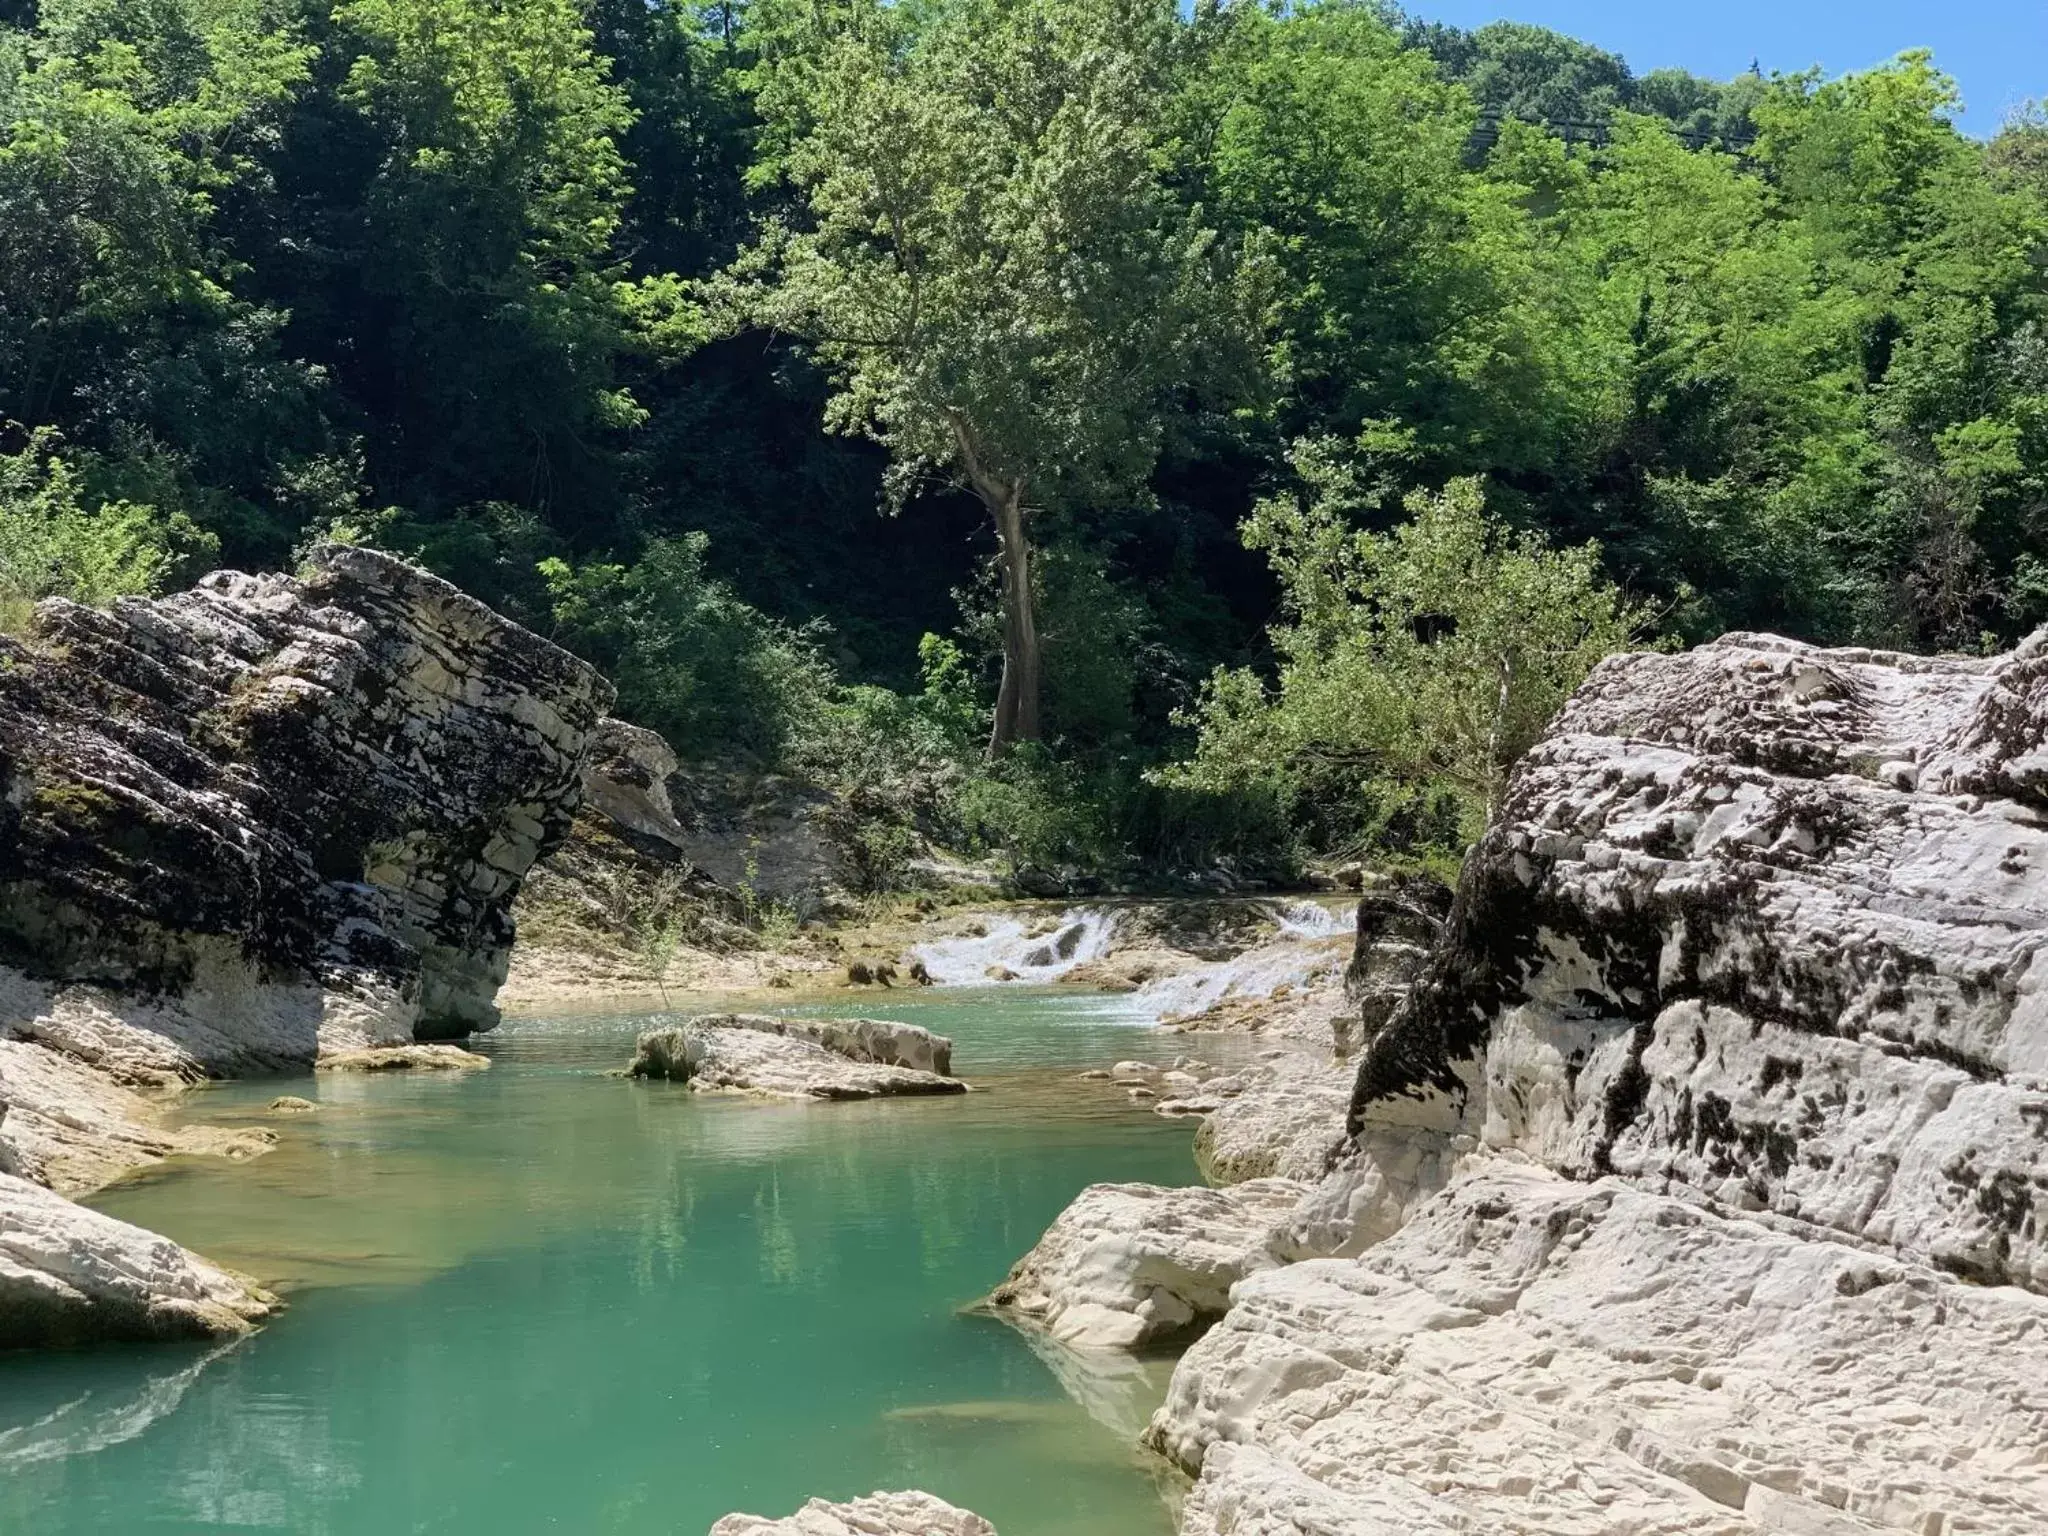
column 1117, row 437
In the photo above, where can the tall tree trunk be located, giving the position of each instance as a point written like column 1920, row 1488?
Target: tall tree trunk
column 1017, row 717
column 1017, row 699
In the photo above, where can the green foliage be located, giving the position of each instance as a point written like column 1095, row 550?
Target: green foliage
column 545, row 293
column 1417, row 664
column 691, row 660
column 56, row 542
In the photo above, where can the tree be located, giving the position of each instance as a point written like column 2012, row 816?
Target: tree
column 1406, row 307
column 1412, row 662
column 986, row 255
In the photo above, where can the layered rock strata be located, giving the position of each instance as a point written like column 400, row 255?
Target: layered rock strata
column 1768, row 923
column 879, row 1514
column 268, row 819
column 275, row 812
column 774, row 1057
column 69, row 1275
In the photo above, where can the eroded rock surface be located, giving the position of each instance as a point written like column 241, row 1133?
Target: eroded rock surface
column 1534, row 1354
column 798, row 1058
column 264, row 820
column 879, row 1514
column 1697, row 1183
column 1769, row 922
column 1128, row 1266
column 69, row 1275
column 275, row 812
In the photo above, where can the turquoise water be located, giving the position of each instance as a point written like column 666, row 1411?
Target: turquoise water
column 544, row 1298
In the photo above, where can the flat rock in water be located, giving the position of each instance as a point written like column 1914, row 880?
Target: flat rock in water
column 798, row 1058
column 404, row 1058
column 879, row 1514
column 69, row 1275
column 1128, row 1266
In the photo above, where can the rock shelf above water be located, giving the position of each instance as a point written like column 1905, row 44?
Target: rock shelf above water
column 271, row 819
column 879, row 1514
column 70, row 1275
column 774, row 1057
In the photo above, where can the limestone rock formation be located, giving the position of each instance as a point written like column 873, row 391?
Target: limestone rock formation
column 879, row 1514
column 1398, row 926
column 1534, row 1354
column 1769, row 923
column 1279, row 1118
column 776, row 1057
column 404, row 1058
column 70, row 1275
column 267, row 819
column 273, row 812
column 625, row 780
column 1699, row 1182
column 1130, row 1266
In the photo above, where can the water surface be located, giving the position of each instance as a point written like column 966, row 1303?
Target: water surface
column 543, row 1298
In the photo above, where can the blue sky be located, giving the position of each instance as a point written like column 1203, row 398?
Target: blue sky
column 1996, row 49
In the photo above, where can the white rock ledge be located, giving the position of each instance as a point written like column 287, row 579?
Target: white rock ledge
column 1132, row 1266
column 69, row 1275
column 1531, row 1354
column 879, row 1514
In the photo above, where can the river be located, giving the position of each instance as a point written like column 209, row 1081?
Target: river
column 543, row 1298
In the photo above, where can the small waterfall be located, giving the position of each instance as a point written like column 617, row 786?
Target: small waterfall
column 1030, row 952
column 1312, row 938
column 1313, row 920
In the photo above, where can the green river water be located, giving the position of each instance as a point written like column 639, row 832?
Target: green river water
column 543, row 1298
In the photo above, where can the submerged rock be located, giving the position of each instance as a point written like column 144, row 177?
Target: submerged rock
column 879, row 1514
column 1128, row 1266
column 69, row 1275
column 798, row 1058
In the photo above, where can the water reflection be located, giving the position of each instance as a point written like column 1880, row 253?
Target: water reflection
column 546, row 1297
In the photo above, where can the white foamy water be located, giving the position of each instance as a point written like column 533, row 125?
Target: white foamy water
column 1031, row 952
column 1308, row 941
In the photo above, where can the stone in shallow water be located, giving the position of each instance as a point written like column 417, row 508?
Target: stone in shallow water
column 1127, row 1266
column 404, row 1058
column 798, row 1058
column 70, row 1275
column 879, row 1514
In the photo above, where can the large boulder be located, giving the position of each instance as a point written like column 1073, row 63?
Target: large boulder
column 879, row 1514
column 1698, row 1181
column 1135, row 1266
column 274, row 810
column 1768, row 923
column 266, row 820
column 774, row 1057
